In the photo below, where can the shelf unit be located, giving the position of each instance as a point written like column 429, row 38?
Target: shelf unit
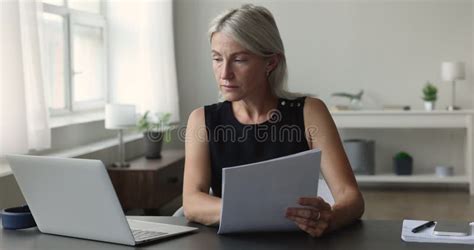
column 440, row 119
column 412, row 179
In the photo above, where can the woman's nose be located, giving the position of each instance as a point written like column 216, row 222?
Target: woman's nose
column 227, row 72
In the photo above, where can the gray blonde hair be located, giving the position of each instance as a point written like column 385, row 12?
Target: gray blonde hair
column 255, row 29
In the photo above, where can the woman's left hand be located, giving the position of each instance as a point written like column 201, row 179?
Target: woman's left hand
column 314, row 218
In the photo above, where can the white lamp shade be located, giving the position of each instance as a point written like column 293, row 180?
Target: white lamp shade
column 119, row 116
column 451, row 71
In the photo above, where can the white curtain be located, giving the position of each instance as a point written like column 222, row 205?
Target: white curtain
column 23, row 111
column 142, row 68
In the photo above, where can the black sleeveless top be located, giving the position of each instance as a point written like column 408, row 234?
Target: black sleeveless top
column 232, row 143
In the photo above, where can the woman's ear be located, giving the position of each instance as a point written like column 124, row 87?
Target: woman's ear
column 272, row 62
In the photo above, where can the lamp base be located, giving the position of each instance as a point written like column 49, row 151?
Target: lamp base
column 120, row 165
column 452, row 108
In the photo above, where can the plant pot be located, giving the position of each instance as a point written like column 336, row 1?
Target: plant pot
column 153, row 144
column 403, row 166
column 429, row 106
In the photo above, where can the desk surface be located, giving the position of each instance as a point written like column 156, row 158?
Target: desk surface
column 370, row 234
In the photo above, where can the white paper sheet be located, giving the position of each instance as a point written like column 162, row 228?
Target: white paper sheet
column 428, row 236
column 255, row 196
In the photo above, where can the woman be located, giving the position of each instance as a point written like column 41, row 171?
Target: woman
column 250, row 69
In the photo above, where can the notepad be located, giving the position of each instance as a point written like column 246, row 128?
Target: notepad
column 428, row 236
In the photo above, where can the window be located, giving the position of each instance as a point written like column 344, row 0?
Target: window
column 75, row 46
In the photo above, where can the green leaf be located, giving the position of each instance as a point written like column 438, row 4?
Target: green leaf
column 402, row 155
column 430, row 92
column 155, row 123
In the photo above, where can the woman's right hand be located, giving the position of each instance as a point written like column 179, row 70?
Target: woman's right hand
column 314, row 218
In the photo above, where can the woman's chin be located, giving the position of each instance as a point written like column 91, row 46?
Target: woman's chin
column 231, row 97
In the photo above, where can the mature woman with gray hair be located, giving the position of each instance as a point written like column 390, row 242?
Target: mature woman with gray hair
column 249, row 65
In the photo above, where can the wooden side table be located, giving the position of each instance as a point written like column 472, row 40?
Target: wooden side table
column 149, row 184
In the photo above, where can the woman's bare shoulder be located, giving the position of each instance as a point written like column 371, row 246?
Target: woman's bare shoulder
column 196, row 117
column 196, row 129
column 319, row 123
column 315, row 110
column 199, row 114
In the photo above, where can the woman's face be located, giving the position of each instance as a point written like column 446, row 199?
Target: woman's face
column 239, row 73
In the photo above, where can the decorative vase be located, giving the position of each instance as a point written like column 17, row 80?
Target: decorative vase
column 153, row 144
column 361, row 155
column 429, row 106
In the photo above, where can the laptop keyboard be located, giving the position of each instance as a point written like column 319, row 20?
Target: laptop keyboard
column 140, row 235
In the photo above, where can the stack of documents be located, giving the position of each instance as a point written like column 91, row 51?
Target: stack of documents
column 428, row 236
column 255, row 196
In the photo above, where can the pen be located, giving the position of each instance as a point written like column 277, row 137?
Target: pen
column 423, row 226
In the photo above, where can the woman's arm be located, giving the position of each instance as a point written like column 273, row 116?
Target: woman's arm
column 335, row 167
column 198, row 205
column 318, row 217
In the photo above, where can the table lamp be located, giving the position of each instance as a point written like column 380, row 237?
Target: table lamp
column 120, row 117
column 450, row 72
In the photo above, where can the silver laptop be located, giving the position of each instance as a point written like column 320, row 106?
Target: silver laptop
column 75, row 197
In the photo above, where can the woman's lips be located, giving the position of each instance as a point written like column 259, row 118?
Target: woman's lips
column 229, row 87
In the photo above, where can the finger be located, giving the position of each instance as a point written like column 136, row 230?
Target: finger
column 308, row 222
column 316, row 202
column 314, row 232
column 308, row 213
column 321, row 224
column 320, row 202
column 310, row 230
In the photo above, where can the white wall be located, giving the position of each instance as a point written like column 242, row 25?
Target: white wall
column 388, row 48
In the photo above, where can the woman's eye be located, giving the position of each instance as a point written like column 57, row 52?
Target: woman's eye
column 240, row 60
column 217, row 59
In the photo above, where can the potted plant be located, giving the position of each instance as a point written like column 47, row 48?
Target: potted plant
column 155, row 129
column 429, row 96
column 403, row 163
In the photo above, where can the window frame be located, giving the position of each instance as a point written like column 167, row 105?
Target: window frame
column 78, row 17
